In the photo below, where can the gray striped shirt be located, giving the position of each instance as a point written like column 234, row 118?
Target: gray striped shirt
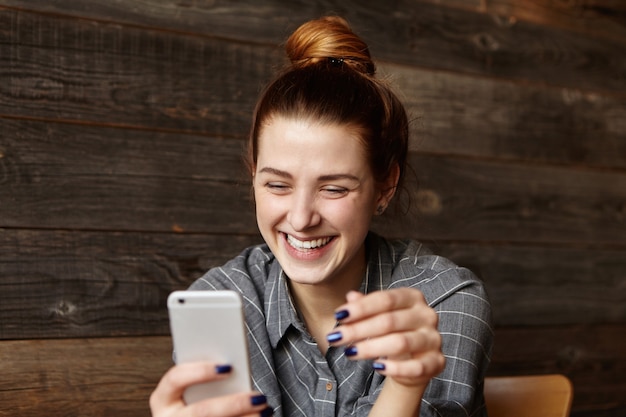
column 298, row 380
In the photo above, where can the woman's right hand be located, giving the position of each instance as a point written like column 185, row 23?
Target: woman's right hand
column 167, row 398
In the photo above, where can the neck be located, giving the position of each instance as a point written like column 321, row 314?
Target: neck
column 316, row 307
column 317, row 303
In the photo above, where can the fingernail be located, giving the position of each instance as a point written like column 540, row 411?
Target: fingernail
column 378, row 366
column 258, row 399
column 223, row 369
column 334, row 337
column 351, row 351
column 341, row 314
column 267, row 412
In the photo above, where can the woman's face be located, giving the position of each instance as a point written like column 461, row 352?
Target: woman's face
column 315, row 198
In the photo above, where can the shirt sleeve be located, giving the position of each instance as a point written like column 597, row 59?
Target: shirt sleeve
column 467, row 338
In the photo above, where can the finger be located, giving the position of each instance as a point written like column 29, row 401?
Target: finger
column 397, row 321
column 413, row 371
column 354, row 296
column 396, row 345
column 361, row 306
column 171, row 386
column 234, row 405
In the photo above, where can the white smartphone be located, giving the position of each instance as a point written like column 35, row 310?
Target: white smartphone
column 209, row 326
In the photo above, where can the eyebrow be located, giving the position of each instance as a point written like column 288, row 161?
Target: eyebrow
column 329, row 177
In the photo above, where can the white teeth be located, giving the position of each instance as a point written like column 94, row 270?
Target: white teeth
column 309, row 244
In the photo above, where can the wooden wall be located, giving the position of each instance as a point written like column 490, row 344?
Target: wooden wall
column 121, row 128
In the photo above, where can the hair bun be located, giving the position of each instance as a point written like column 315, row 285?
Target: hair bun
column 329, row 38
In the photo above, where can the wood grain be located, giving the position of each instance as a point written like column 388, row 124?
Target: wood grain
column 459, row 199
column 407, row 32
column 81, row 377
column 94, row 72
column 486, row 118
column 76, row 284
column 79, row 177
column 594, row 18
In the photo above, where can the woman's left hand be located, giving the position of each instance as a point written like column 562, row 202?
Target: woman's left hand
column 395, row 328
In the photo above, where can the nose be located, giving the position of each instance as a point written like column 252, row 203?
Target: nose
column 303, row 213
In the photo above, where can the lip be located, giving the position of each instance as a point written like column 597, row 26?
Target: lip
column 308, row 253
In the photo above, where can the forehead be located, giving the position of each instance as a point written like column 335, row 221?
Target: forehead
column 291, row 139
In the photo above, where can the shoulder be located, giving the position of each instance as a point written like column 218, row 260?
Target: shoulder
column 437, row 277
column 250, row 267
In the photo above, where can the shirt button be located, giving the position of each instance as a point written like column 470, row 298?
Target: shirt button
column 329, row 386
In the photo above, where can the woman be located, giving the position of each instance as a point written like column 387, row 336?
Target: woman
column 341, row 321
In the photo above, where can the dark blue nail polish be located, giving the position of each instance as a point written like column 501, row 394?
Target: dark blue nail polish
column 258, row 399
column 351, row 351
column 378, row 366
column 334, row 337
column 341, row 314
column 267, row 412
column 223, row 369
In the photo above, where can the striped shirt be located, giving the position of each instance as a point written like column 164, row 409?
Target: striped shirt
column 299, row 381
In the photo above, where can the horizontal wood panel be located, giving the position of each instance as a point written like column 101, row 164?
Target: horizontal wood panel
column 74, row 284
column 93, row 72
column 79, row 177
column 100, row 377
column 593, row 357
column 408, row 32
column 595, row 18
column 81, row 377
column 473, row 200
column 156, row 80
column 459, row 115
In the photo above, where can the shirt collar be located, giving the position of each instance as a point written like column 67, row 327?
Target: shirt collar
column 280, row 312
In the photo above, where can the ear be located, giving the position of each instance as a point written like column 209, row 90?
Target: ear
column 388, row 189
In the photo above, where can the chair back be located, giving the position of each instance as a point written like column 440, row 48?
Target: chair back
column 528, row 396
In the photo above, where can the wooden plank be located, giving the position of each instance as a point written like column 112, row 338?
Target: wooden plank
column 593, row 357
column 595, row 18
column 460, row 115
column 81, row 377
column 76, row 284
column 407, row 32
column 81, row 177
column 472, row 200
column 88, row 72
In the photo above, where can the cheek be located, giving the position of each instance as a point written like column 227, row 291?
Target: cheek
column 354, row 213
column 267, row 207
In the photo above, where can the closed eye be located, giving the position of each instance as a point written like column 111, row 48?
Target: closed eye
column 335, row 192
column 277, row 187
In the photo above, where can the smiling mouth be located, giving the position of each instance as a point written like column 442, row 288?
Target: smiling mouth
column 308, row 244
